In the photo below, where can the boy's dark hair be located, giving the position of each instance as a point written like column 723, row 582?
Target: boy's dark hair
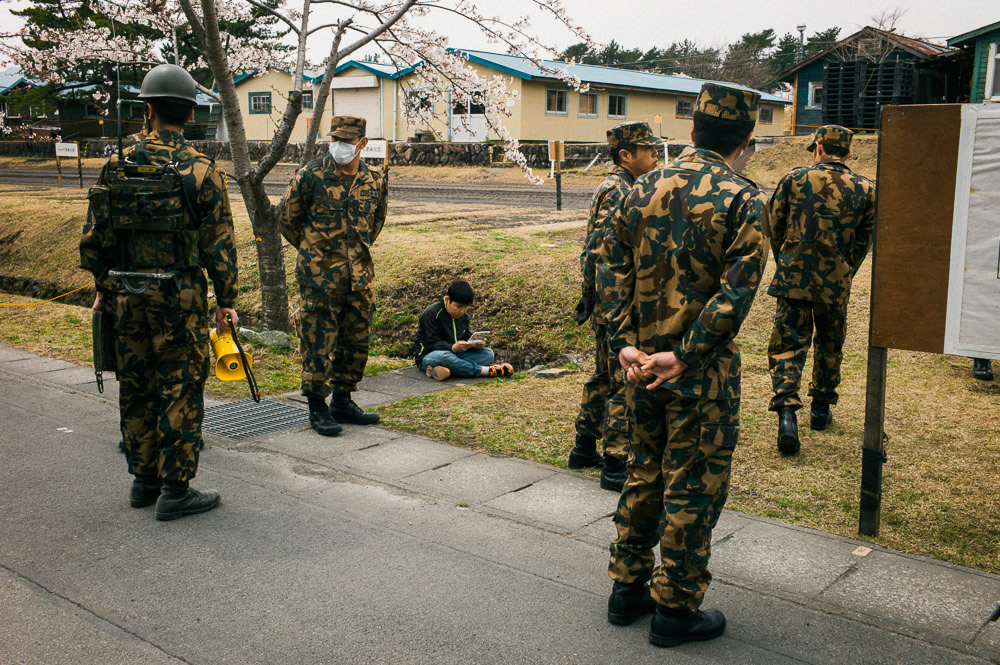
column 835, row 151
column 718, row 135
column 616, row 154
column 461, row 293
column 171, row 111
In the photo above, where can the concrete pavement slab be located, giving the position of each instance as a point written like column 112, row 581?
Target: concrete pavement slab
column 8, row 354
column 933, row 598
column 400, row 457
column 400, row 385
column 565, row 501
column 477, row 478
column 783, row 559
column 304, row 443
column 75, row 376
column 37, row 365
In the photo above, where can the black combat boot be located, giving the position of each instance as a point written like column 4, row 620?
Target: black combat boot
column 145, row 490
column 177, row 500
column 982, row 369
column 788, row 431
column 584, row 454
column 343, row 408
column 614, row 474
column 820, row 416
column 671, row 627
column 628, row 602
column 320, row 418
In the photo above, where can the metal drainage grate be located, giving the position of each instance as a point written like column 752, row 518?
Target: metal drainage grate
column 242, row 420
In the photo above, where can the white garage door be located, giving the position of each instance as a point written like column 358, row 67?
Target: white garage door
column 360, row 102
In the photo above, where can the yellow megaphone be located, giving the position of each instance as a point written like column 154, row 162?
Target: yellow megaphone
column 228, row 366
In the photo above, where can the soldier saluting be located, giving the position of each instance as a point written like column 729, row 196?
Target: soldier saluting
column 693, row 253
column 823, row 222
column 334, row 210
column 157, row 220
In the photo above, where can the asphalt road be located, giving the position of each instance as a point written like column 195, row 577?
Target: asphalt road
column 502, row 195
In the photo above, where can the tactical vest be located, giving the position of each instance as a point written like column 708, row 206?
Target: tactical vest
column 152, row 215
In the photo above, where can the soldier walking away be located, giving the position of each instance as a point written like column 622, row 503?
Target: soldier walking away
column 157, row 219
column 693, row 252
column 822, row 221
column 603, row 413
column 334, row 210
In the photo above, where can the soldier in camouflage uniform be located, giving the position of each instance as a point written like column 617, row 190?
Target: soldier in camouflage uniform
column 603, row 413
column 162, row 345
column 334, row 210
column 823, row 221
column 694, row 250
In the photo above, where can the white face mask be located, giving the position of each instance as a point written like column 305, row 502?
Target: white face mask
column 342, row 153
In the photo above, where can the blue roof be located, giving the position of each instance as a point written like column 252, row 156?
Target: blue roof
column 380, row 69
column 598, row 75
column 78, row 91
column 12, row 77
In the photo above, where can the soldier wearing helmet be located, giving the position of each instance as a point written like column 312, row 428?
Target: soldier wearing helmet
column 157, row 221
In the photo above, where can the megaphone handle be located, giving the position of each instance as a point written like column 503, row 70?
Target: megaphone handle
column 251, row 379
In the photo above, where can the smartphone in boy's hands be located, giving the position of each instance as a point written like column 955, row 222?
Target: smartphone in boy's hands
column 479, row 338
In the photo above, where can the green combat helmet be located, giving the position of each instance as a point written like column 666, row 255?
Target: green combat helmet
column 632, row 133
column 833, row 135
column 347, row 127
column 728, row 103
column 168, row 81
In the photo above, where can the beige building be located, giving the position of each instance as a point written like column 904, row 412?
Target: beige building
column 546, row 108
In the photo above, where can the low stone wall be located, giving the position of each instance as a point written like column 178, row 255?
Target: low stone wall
column 32, row 288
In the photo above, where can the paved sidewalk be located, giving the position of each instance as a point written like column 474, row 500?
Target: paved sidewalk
column 378, row 546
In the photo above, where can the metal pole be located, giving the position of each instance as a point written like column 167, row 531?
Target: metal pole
column 79, row 165
column 873, row 450
column 802, row 42
column 59, row 171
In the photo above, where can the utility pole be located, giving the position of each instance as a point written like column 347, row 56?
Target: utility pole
column 802, row 42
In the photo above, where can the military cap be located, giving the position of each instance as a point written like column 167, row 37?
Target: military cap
column 834, row 135
column 347, row 127
column 728, row 103
column 632, row 133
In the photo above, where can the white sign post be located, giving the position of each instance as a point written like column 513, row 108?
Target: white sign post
column 68, row 150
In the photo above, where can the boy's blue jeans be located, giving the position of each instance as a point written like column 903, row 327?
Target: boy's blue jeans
column 465, row 365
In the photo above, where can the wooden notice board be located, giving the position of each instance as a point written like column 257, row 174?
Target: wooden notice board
column 918, row 160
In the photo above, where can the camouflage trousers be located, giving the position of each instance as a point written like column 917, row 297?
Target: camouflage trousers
column 334, row 336
column 682, row 450
column 164, row 360
column 603, row 412
column 791, row 336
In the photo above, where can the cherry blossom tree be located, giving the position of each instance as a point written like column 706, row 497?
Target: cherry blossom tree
column 395, row 28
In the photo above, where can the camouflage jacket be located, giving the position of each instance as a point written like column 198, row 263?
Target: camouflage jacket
column 692, row 238
column 332, row 221
column 216, row 249
column 607, row 198
column 823, row 221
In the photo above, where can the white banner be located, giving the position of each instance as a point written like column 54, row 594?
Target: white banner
column 972, row 326
column 67, row 150
column 376, row 149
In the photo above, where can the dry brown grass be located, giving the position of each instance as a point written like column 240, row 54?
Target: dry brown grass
column 770, row 165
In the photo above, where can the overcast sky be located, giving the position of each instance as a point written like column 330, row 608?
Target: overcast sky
column 706, row 22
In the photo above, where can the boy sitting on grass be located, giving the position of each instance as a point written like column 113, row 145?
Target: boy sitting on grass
column 444, row 346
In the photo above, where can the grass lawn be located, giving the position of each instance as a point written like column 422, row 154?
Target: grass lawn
column 943, row 454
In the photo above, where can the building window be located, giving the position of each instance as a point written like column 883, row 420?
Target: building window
column 416, row 100
column 815, row 100
column 588, row 104
column 556, row 102
column 616, row 106
column 685, row 108
column 474, row 104
column 766, row 115
column 260, row 102
column 90, row 111
column 307, row 99
column 992, row 92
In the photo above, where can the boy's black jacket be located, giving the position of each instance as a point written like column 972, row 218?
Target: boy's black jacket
column 437, row 331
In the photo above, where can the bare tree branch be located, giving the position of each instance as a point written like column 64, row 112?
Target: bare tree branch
column 279, row 16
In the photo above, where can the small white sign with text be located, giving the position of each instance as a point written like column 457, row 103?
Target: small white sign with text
column 67, row 150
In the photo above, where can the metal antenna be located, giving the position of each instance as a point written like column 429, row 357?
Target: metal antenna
column 118, row 101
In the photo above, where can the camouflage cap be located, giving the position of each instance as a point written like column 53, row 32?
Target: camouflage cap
column 728, row 103
column 634, row 133
column 834, row 135
column 347, row 127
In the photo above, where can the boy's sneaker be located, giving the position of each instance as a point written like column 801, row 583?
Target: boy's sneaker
column 439, row 373
column 503, row 369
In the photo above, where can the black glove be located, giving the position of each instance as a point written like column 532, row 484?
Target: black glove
column 584, row 310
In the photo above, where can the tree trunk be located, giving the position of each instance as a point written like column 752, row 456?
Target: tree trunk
column 270, row 261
